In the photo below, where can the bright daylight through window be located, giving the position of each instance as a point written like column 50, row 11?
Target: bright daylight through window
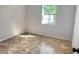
column 49, row 14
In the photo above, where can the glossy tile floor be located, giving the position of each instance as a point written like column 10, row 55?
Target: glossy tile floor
column 35, row 44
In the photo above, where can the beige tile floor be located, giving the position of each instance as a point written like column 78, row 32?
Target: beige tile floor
column 35, row 44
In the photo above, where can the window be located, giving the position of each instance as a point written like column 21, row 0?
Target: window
column 49, row 14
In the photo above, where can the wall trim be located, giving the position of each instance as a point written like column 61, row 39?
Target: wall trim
column 56, row 37
column 6, row 38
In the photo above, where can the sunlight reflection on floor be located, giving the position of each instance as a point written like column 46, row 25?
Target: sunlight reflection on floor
column 27, row 36
column 45, row 49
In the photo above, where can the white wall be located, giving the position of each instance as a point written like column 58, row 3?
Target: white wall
column 15, row 19
column 75, row 42
column 11, row 21
column 64, row 22
column 33, row 19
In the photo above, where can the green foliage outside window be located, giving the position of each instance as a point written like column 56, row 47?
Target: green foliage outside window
column 49, row 9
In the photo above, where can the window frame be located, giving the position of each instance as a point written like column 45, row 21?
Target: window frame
column 49, row 19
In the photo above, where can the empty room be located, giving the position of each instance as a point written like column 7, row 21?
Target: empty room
column 39, row 29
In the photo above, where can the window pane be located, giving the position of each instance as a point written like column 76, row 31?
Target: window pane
column 44, row 21
column 45, row 16
column 49, row 9
column 51, row 21
column 52, row 17
column 49, row 14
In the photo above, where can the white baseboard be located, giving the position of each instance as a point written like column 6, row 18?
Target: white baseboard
column 52, row 36
column 37, row 34
column 61, row 38
column 9, row 36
